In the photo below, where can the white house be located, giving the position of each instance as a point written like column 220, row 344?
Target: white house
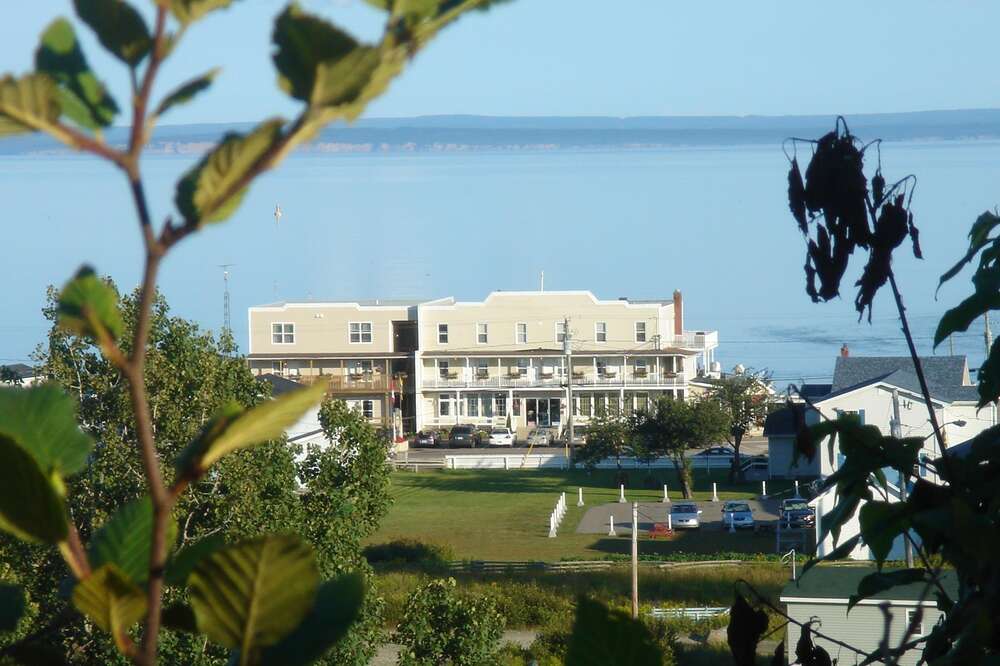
column 822, row 594
column 873, row 388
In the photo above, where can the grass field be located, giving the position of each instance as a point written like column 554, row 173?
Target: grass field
column 503, row 515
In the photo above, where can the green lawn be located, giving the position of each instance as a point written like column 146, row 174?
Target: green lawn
column 503, row 515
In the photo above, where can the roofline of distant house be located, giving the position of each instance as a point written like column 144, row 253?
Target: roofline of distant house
column 863, row 602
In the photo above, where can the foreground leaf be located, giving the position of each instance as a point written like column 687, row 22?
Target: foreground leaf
column 187, row 91
column 881, row 523
column 110, row 600
column 184, row 562
column 602, row 636
column 337, row 605
column 746, row 626
column 878, row 582
column 838, row 553
column 126, row 540
column 253, row 594
column 989, row 376
column 30, row 508
column 119, row 28
column 42, row 420
column 188, row 11
column 88, row 306
column 84, row 98
column 28, row 104
column 12, row 604
column 214, row 188
column 979, row 236
column 232, row 428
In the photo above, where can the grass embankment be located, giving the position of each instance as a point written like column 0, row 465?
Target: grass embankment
column 503, row 515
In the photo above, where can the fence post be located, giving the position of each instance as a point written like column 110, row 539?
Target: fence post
column 763, row 489
column 579, row 502
column 611, row 525
column 452, row 460
column 506, row 463
column 621, row 493
column 796, row 487
column 666, row 497
column 552, row 525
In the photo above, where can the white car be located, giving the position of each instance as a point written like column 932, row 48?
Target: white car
column 685, row 515
column 501, row 437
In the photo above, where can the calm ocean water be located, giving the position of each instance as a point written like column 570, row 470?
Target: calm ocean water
column 711, row 222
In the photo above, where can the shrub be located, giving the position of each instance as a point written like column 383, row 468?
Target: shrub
column 440, row 627
column 409, row 554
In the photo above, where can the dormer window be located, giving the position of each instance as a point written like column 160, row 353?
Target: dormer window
column 640, row 331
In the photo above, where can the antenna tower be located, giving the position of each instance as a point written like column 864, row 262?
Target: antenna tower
column 226, row 318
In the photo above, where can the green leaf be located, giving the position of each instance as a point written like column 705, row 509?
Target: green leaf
column 12, row 605
column 125, row 540
column 232, row 428
column 214, row 188
column 878, row 582
column 317, row 62
column 978, row 238
column 28, row 104
column 188, row 557
column 881, row 523
column 84, row 98
column 30, row 508
column 959, row 318
column 42, row 420
column 119, row 28
column 88, row 306
column 186, row 92
column 251, row 595
column 188, row 11
column 989, row 376
column 337, row 605
column 602, row 636
column 110, row 600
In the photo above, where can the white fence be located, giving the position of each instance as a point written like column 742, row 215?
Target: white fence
column 559, row 461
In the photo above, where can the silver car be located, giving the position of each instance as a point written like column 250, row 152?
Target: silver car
column 684, row 516
column 737, row 514
column 539, row 437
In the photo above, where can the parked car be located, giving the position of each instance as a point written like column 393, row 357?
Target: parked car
column 501, row 437
column 684, row 516
column 717, row 452
column 795, row 512
column 540, row 437
column 737, row 514
column 463, row 436
column 426, row 438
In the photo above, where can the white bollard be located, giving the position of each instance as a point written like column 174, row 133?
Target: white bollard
column 715, row 493
column 506, row 463
column 763, row 488
column 796, row 487
column 621, row 493
column 670, row 522
column 579, row 502
column 552, row 527
column 732, row 524
column 611, row 525
column 666, row 497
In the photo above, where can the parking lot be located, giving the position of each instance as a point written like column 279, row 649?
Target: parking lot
column 595, row 520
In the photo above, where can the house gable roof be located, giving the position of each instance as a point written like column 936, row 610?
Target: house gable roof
column 840, row 582
column 947, row 376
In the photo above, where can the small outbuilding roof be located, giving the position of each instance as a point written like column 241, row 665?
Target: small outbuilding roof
column 840, row 582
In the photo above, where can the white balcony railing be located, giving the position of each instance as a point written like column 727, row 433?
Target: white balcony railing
column 694, row 340
column 556, row 381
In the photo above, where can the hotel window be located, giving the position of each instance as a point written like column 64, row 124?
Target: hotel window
column 641, row 402
column 482, row 368
column 600, row 404
column 442, row 334
column 602, row 368
column 368, row 408
column 482, row 334
column 522, row 366
column 444, row 404
column 584, row 405
column 601, row 331
column 472, row 405
column 360, row 332
column 443, row 369
column 487, row 406
column 283, row 334
column 641, row 369
column 560, row 331
column 500, row 404
column 640, row 331
column 361, row 367
column 522, row 333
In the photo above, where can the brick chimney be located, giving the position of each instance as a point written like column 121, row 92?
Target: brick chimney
column 844, row 351
column 678, row 313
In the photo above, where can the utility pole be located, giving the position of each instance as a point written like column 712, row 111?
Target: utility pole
column 568, row 354
column 226, row 318
column 635, row 560
column 897, row 432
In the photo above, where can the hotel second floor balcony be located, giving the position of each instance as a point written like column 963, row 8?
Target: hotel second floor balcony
column 472, row 378
column 367, row 382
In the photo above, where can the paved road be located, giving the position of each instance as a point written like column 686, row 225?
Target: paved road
column 595, row 521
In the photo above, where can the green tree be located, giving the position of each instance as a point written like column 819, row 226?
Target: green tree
column 609, row 435
column 260, row 599
column 439, row 627
column 672, row 427
column 744, row 397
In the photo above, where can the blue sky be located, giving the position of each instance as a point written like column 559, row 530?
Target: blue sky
column 629, row 57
